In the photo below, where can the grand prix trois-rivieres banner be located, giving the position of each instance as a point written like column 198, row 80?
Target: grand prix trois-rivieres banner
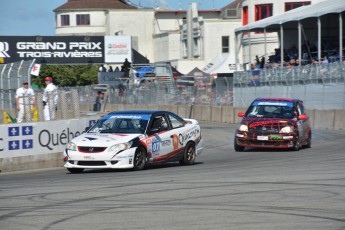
column 66, row 49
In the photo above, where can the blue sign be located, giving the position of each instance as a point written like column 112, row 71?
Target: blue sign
column 27, row 130
column 13, row 131
column 13, row 145
column 27, row 144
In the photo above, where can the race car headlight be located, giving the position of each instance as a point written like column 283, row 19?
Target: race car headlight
column 71, row 146
column 287, row 129
column 119, row 147
column 243, row 128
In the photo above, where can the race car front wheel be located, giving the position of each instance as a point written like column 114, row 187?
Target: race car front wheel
column 189, row 154
column 237, row 147
column 297, row 144
column 140, row 159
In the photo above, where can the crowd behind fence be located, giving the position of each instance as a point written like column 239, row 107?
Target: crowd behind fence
column 320, row 86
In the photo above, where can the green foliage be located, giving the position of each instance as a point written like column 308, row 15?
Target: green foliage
column 68, row 75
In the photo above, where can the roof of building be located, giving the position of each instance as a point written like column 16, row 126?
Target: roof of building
column 234, row 4
column 92, row 4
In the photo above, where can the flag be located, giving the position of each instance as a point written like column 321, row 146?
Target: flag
column 36, row 69
column 8, row 119
column 35, row 114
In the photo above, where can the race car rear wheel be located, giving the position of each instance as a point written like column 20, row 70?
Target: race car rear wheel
column 189, row 154
column 237, row 147
column 75, row 170
column 140, row 159
column 308, row 145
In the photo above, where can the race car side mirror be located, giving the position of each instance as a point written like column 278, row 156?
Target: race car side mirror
column 303, row 117
column 240, row 114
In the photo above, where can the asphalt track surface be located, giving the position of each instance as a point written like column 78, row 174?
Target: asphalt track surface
column 256, row 189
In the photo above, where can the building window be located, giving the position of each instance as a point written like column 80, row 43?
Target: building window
column 263, row 11
column 65, row 20
column 294, row 5
column 225, row 44
column 245, row 16
column 83, row 19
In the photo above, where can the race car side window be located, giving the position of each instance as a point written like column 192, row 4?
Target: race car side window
column 299, row 109
column 175, row 122
column 159, row 123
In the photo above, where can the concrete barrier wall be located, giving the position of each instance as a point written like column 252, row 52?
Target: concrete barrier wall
column 319, row 119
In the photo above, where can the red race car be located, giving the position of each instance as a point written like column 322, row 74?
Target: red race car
column 273, row 123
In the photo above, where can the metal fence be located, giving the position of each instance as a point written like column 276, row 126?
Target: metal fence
column 212, row 91
column 320, row 86
column 12, row 77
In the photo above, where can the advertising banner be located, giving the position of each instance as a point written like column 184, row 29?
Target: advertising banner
column 66, row 49
column 117, row 49
column 40, row 138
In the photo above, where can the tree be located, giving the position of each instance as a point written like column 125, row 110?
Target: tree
column 68, row 75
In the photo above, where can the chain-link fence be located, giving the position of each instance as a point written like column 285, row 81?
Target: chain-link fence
column 27, row 109
column 210, row 91
column 321, row 86
column 11, row 78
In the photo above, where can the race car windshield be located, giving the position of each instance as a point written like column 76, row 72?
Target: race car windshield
column 127, row 124
column 271, row 110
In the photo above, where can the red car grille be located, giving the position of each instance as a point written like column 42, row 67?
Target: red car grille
column 266, row 129
column 86, row 149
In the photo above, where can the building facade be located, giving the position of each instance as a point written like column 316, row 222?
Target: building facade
column 185, row 38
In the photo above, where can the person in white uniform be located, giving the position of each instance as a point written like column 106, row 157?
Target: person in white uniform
column 50, row 99
column 25, row 102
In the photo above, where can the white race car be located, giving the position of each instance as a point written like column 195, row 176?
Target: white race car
column 133, row 139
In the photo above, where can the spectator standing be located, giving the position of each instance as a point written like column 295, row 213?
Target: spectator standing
column 102, row 69
column 50, row 99
column 25, row 102
column 262, row 63
column 126, row 67
column 110, row 69
column 99, row 100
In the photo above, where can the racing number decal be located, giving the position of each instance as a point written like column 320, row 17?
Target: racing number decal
column 155, row 147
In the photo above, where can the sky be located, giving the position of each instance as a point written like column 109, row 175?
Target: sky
column 36, row 17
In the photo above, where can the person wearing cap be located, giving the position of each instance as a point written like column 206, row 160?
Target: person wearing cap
column 50, row 99
column 25, row 102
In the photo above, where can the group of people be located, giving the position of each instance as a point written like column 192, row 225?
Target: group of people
column 125, row 68
column 26, row 101
column 290, row 56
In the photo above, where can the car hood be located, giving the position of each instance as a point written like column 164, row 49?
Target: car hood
column 253, row 122
column 103, row 139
